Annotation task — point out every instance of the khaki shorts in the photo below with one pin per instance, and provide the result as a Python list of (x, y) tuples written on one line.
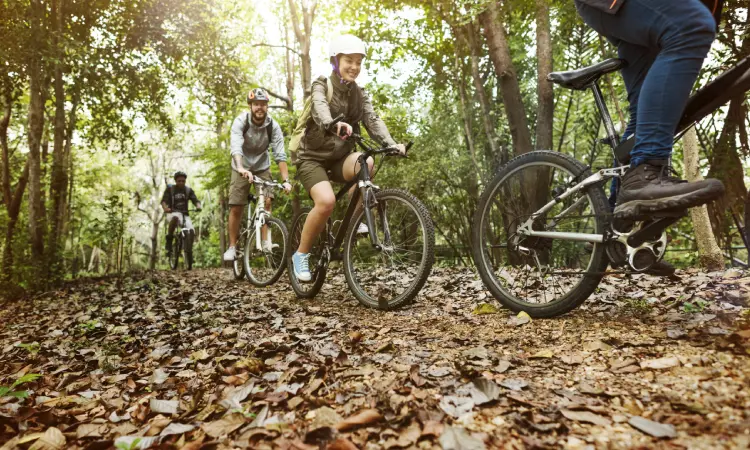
[(310, 172), (239, 187)]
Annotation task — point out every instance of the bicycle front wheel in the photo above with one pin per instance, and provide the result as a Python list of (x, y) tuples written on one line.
[(393, 275), (174, 259), (265, 265), (544, 277), (318, 261)]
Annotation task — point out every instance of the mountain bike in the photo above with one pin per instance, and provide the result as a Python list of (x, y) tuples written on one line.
[(183, 241), (385, 268), (543, 230), (260, 263)]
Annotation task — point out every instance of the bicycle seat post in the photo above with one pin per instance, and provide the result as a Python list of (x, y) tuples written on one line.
[(612, 137)]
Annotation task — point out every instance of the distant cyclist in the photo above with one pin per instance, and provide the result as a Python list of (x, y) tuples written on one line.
[(664, 43), (174, 202), (253, 132)]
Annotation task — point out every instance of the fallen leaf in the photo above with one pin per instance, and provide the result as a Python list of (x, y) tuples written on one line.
[(163, 406), (200, 355), (484, 391), (177, 428), (456, 438), (502, 366), (324, 417), (513, 384), (521, 319), (456, 406), (136, 442), (485, 308), (365, 417), (91, 430), (52, 439), (585, 416), (655, 429), (543, 354), (661, 363), (593, 346), (223, 426), (158, 377)]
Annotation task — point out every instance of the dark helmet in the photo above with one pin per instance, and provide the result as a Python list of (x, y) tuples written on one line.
[(257, 95), (180, 173)]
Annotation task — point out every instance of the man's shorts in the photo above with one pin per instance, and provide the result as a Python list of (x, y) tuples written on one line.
[(187, 224), (310, 172), (239, 187)]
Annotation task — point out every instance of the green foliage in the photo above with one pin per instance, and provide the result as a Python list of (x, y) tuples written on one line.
[(8, 391), (698, 306)]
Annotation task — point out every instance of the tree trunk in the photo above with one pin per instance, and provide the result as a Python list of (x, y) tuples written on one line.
[(494, 33), (304, 39), (222, 224), (709, 252), (154, 256), (546, 100), (487, 116), (58, 182), (36, 128)]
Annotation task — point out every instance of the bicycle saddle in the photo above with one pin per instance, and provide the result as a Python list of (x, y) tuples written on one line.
[(580, 79)]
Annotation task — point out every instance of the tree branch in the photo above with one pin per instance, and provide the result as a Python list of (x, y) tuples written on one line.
[(262, 44), (295, 21), (280, 97)]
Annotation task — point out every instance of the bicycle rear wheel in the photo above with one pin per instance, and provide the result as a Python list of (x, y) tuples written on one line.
[(264, 267), (238, 266), (392, 276), (318, 260), (544, 277)]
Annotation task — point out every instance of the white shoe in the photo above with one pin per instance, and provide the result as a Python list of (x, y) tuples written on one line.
[(230, 254), (362, 229), (269, 247)]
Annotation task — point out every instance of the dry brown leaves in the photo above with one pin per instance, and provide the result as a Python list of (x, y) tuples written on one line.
[(196, 360)]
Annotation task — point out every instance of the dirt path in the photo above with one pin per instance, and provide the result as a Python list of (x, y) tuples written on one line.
[(196, 360)]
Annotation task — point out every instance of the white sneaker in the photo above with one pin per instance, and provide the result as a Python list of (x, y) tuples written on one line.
[(230, 254), (362, 229), (269, 247)]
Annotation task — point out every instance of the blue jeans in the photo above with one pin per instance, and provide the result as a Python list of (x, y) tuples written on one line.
[(664, 43)]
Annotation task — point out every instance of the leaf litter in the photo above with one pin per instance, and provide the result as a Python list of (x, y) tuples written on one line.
[(184, 360)]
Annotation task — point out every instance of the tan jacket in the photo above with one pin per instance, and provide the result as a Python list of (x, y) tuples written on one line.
[(349, 100)]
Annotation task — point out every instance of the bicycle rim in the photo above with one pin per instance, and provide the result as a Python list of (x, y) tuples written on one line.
[(264, 266), (392, 276), (545, 277)]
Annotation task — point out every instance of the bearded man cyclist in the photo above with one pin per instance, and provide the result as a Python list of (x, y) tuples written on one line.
[(253, 132), (663, 43), (174, 202)]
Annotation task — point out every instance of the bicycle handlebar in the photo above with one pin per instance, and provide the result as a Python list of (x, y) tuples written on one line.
[(388, 151)]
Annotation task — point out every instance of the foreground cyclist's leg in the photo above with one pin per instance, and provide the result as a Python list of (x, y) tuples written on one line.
[(682, 33), (348, 170), (325, 200)]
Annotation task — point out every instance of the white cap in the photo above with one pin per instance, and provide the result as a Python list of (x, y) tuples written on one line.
[(346, 44)]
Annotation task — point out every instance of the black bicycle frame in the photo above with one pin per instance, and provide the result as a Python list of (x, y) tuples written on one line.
[(362, 180), (735, 81)]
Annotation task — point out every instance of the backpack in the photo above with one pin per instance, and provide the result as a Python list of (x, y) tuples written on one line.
[(299, 129), (269, 128)]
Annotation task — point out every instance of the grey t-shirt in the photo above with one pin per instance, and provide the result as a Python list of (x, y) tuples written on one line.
[(253, 146)]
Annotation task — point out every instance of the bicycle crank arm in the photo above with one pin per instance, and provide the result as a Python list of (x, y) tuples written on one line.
[(652, 231), (564, 236)]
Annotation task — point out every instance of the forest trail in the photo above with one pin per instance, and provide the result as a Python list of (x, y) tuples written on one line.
[(197, 360)]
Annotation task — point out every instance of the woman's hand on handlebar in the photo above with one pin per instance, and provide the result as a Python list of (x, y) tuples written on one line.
[(287, 187), (401, 149), (344, 130)]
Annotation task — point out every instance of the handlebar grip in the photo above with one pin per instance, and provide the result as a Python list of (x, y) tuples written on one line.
[(408, 146), (336, 120)]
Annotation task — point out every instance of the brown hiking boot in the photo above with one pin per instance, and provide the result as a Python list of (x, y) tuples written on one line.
[(650, 189)]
